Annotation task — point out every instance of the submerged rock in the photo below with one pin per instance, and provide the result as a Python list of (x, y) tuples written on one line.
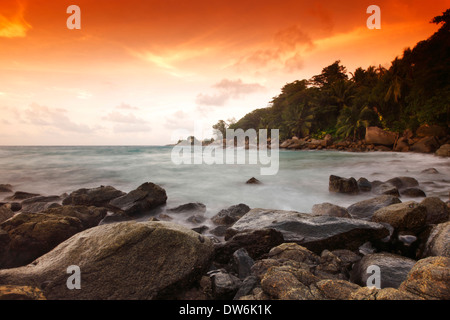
[(196, 207), (128, 260)]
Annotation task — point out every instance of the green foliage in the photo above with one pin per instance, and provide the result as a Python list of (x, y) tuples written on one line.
[(414, 90)]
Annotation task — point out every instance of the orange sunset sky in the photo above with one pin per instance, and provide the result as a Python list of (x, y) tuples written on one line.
[(140, 70)]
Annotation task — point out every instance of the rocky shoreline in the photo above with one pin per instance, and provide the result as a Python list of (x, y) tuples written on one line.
[(240, 253)]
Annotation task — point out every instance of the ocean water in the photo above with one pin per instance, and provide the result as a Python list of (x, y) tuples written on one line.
[(301, 181)]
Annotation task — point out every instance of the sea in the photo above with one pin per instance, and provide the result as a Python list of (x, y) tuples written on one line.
[(300, 182)]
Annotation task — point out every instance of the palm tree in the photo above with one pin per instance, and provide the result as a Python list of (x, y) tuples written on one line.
[(297, 120), (351, 120)]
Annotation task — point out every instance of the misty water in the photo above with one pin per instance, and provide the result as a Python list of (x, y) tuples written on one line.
[(301, 182)]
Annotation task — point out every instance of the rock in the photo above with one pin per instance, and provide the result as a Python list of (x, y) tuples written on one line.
[(20, 195), (316, 233), (99, 197), (189, 207), (113, 217), (89, 216), (364, 185), (403, 182), (5, 213), (146, 197), (253, 180), (247, 286), (255, 242), (219, 231), (366, 208), (286, 143), (413, 193), (406, 216), (430, 171), (243, 263), (429, 279), (431, 131), (336, 289), (32, 235), (196, 219), (375, 135), (444, 150), (5, 188), (343, 185), (386, 189), (328, 209), (391, 294), (224, 285), (9, 292), (120, 261), (14, 206), (201, 229), (425, 145), (438, 243), (402, 145), (437, 210), (294, 252), (393, 269), (39, 203), (230, 215)]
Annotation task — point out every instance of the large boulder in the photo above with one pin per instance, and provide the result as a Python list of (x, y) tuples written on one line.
[(437, 210), (393, 269), (343, 185), (316, 233), (128, 260), (443, 151), (429, 279), (329, 209), (98, 197), (406, 216), (425, 145), (365, 209), (146, 197), (431, 131), (30, 235), (438, 243), (375, 135)]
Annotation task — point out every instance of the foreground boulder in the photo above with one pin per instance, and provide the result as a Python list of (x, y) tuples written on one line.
[(128, 260), (429, 279), (438, 243), (316, 233), (29, 235), (146, 197), (393, 269), (437, 210)]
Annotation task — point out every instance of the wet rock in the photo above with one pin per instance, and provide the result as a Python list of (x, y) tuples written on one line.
[(343, 185), (113, 217), (89, 216), (253, 180), (40, 203), (443, 151), (165, 259), (247, 287), (224, 284), (243, 263), (196, 219), (413, 193), (429, 278), (430, 171), (437, 210), (328, 209), (20, 195), (230, 215), (316, 233), (31, 235), (393, 269), (196, 207), (99, 197), (425, 145), (403, 182), (255, 242), (5, 188), (386, 189), (406, 216), (366, 208), (146, 197), (364, 185), (438, 243)]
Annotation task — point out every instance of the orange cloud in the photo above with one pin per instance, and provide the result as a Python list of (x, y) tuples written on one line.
[(14, 25)]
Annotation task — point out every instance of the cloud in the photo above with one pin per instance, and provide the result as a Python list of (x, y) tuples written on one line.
[(227, 89), (125, 106), (52, 117), (126, 123), (13, 25)]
